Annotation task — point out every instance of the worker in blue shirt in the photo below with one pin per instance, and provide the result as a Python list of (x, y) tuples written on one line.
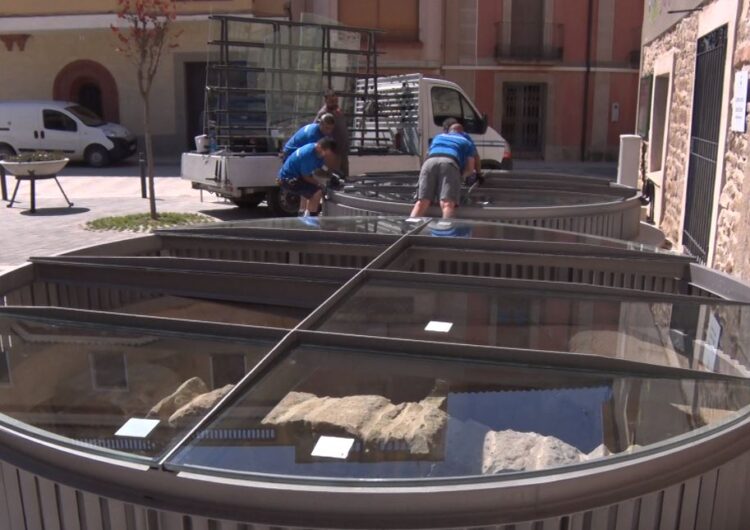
[(296, 175), (309, 134), (450, 157), (452, 124)]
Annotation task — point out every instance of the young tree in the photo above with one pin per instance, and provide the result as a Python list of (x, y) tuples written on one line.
[(147, 31)]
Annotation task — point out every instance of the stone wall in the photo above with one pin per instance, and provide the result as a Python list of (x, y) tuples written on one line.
[(733, 229), (682, 40), (732, 251)]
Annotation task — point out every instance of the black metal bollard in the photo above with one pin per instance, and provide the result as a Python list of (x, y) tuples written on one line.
[(142, 164), (3, 185)]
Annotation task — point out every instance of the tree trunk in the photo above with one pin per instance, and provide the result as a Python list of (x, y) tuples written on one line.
[(149, 156)]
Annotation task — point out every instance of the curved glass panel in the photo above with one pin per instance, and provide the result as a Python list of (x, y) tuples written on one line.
[(323, 413), (487, 230), (488, 197), (676, 334), (111, 388), (365, 225)]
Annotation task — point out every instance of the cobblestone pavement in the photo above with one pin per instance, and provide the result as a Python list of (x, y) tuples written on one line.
[(55, 228)]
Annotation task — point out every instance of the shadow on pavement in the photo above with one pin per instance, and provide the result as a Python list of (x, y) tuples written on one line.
[(234, 213), (50, 212), (124, 168)]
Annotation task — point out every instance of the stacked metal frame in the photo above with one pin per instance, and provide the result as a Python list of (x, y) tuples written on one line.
[(239, 376), (266, 78)]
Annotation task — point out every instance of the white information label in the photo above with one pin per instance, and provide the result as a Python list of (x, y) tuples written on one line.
[(439, 327), (333, 447), (713, 334), (137, 428), (706, 353), (739, 102)]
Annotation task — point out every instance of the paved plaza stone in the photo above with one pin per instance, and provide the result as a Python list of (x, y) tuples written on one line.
[(55, 228)]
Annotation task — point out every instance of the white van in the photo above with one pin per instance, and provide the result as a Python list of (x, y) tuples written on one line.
[(62, 126)]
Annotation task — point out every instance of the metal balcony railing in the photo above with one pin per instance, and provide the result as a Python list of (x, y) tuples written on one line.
[(529, 41)]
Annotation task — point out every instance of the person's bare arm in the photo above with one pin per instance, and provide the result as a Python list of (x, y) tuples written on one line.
[(470, 166)]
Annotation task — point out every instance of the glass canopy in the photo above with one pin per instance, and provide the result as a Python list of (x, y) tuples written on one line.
[(369, 349), (354, 414)]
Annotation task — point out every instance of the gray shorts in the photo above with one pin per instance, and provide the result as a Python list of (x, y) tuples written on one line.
[(440, 177)]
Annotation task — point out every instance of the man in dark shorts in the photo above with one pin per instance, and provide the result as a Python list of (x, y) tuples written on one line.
[(451, 156), (296, 175)]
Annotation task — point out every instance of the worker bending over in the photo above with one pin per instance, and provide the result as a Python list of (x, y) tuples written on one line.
[(450, 157), (453, 125), (310, 134), (296, 175)]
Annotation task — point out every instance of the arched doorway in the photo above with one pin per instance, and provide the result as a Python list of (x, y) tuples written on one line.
[(90, 96), (90, 84)]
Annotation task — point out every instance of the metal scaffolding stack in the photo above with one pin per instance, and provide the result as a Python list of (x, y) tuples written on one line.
[(268, 78)]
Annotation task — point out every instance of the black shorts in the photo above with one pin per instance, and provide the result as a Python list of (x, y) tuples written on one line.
[(299, 187)]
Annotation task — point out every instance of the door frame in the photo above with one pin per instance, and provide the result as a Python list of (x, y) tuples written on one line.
[(543, 114), (711, 18)]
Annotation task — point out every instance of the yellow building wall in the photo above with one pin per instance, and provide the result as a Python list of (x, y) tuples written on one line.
[(77, 7), (31, 74)]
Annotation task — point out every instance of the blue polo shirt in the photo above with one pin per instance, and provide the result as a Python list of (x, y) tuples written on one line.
[(473, 145), (453, 145), (309, 134), (304, 161)]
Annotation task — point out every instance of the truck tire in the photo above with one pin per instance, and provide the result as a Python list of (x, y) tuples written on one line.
[(250, 201), (6, 151), (282, 203), (96, 156)]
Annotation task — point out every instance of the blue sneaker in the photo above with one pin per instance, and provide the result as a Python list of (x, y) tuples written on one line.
[(311, 221)]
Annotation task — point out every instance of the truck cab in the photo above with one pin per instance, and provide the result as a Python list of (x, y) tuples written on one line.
[(413, 113)]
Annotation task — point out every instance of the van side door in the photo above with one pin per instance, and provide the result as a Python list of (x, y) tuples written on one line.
[(60, 133), (447, 102), (23, 129)]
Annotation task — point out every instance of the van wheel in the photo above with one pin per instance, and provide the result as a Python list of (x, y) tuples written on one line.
[(282, 203), (96, 156), (6, 151), (250, 201)]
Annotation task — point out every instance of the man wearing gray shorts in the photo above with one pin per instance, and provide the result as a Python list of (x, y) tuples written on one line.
[(451, 156)]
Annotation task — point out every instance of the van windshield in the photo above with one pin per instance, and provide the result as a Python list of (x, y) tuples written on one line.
[(85, 115)]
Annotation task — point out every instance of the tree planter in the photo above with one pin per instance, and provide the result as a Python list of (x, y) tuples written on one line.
[(33, 171)]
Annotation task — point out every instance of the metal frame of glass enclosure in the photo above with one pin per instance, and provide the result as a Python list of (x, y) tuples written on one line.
[(577, 338), (586, 205)]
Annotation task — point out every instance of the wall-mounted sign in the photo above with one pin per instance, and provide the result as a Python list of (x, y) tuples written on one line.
[(739, 102)]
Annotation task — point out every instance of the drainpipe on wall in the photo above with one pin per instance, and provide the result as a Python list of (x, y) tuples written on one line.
[(444, 27), (586, 79)]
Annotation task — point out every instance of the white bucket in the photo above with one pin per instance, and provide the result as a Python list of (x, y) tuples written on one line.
[(201, 143)]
